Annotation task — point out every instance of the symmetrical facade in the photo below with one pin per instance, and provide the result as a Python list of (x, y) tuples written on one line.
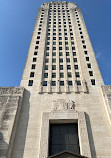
[(62, 102)]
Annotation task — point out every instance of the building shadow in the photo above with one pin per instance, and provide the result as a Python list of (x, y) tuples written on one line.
[(90, 136), (3, 146)]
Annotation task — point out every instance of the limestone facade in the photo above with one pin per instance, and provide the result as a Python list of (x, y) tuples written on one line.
[(64, 98)]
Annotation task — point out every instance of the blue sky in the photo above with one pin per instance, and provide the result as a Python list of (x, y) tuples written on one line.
[(17, 19)]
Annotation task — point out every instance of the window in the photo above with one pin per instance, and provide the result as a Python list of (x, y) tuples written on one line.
[(61, 83), (78, 83), (84, 46), (30, 83), (46, 67), (53, 53), (74, 53), (66, 38), (53, 75), (68, 67), (35, 53), (73, 48), (53, 83), (76, 67), (60, 53), (93, 81), (61, 60), (37, 42), (68, 60), (53, 67), (72, 42), (54, 60), (54, 38), (60, 38), (33, 66), (46, 60), (60, 48), (44, 83), (89, 65), (47, 53), (32, 74), (69, 74), (34, 59), (87, 58), (54, 43), (61, 75), (85, 52), (61, 67), (45, 75), (70, 83), (38, 37), (91, 73), (47, 48), (67, 48), (36, 47), (66, 43), (67, 53), (77, 74), (75, 59), (54, 48), (48, 43)]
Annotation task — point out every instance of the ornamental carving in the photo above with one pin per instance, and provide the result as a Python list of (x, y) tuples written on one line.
[(13, 90), (62, 104)]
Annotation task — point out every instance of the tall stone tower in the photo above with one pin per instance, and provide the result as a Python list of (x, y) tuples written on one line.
[(62, 108)]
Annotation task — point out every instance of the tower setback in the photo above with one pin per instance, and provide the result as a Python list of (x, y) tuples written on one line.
[(62, 108)]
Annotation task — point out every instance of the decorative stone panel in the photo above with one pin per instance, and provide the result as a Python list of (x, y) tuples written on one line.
[(10, 105)]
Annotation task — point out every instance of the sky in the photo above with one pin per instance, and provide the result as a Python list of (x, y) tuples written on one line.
[(17, 18)]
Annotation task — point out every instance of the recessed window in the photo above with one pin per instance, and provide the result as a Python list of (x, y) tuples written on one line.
[(46, 60), (60, 38), (67, 53), (93, 81), (78, 83), (89, 65), (53, 53), (47, 48), (60, 48), (54, 48), (73, 48), (54, 60), (30, 83), (53, 75), (84, 46), (61, 67), (47, 53), (68, 60), (46, 67), (68, 67), (37, 42), (45, 75), (85, 52), (35, 53), (74, 53), (66, 38), (69, 74), (60, 54), (77, 74), (34, 59), (44, 83), (53, 67), (61, 83), (32, 74), (36, 47), (87, 58), (61, 60), (91, 73), (61, 75), (76, 67), (67, 48), (54, 38), (38, 37), (70, 83), (33, 66), (54, 43), (72, 42), (60, 43), (75, 59), (53, 83)]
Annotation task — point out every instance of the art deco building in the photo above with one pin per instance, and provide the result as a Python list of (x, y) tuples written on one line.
[(62, 108)]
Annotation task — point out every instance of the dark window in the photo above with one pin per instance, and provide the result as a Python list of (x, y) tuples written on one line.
[(60, 54), (61, 60), (61, 75), (54, 54), (32, 74), (34, 59), (45, 75), (74, 53), (78, 83), (35, 53), (33, 66), (54, 60), (84, 46), (70, 83), (75, 59), (44, 83), (30, 83), (67, 53), (63, 137), (53, 75), (61, 83), (93, 82), (68, 67), (91, 73), (61, 67), (76, 67), (85, 52), (46, 60), (69, 74), (77, 74), (53, 67), (68, 60), (87, 58), (89, 65), (46, 67), (53, 83)]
